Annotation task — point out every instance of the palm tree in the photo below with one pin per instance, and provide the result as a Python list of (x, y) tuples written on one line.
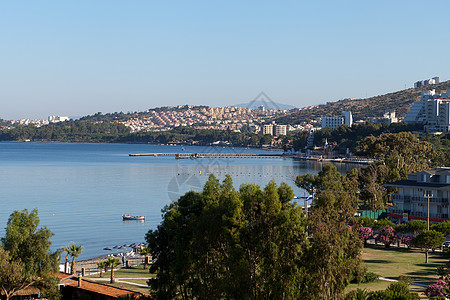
[(101, 266), (74, 251), (112, 262), (145, 251)]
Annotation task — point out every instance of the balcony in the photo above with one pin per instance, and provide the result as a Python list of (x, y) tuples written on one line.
[(415, 199), (400, 198), (424, 214), (434, 200)]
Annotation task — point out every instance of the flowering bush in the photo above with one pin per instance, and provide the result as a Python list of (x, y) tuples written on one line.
[(365, 233), (407, 240), (387, 236), (437, 289)]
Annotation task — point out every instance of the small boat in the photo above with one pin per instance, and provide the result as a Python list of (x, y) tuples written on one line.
[(128, 217)]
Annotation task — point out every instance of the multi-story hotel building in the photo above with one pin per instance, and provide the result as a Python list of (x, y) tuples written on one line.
[(334, 122), (413, 194), (433, 110)]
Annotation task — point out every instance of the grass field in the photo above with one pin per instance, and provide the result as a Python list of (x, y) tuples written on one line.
[(133, 272), (395, 262), (126, 275)]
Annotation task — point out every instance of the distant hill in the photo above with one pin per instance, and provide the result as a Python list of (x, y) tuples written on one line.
[(376, 106), (267, 105), (263, 99)]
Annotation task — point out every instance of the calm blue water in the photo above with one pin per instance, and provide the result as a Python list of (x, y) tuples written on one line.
[(81, 190)]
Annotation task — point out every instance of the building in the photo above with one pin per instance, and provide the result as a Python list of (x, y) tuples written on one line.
[(432, 110), (268, 129), (333, 122), (411, 200), (420, 83), (388, 118), (56, 119), (275, 129), (280, 130), (76, 287)]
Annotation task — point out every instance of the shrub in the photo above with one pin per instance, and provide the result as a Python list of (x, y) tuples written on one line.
[(365, 232), (387, 236), (407, 240), (397, 290), (441, 271), (383, 223), (437, 289), (369, 277), (357, 294)]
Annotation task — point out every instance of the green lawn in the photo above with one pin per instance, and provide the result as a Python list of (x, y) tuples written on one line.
[(394, 262), (133, 272)]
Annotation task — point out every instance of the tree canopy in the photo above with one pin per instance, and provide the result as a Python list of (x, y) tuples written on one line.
[(252, 243), (25, 249), (427, 240)]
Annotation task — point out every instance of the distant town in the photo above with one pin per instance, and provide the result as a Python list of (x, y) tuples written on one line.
[(432, 110)]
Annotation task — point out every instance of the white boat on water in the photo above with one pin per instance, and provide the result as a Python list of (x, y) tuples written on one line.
[(128, 217)]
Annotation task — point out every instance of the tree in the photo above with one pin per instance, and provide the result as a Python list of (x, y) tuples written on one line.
[(11, 275), (383, 223), (334, 253), (74, 251), (101, 266), (427, 240), (112, 262), (224, 243), (443, 227), (26, 253), (398, 155)]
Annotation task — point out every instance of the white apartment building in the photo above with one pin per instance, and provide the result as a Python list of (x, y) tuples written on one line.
[(334, 122), (275, 129), (280, 130), (432, 110), (56, 119), (414, 193), (268, 129), (388, 118), (433, 80)]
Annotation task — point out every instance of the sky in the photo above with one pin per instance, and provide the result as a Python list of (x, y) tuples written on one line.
[(75, 58)]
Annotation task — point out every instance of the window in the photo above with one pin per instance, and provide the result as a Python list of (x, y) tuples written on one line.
[(424, 177)]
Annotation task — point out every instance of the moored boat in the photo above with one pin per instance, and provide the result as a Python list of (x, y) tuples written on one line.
[(128, 217)]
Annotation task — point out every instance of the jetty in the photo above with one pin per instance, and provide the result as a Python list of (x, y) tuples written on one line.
[(351, 160), (213, 155)]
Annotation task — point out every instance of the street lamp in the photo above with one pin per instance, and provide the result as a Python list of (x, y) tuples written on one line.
[(428, 195)]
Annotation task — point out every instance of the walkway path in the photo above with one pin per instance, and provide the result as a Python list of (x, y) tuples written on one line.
[(124, 280), (394, 280)]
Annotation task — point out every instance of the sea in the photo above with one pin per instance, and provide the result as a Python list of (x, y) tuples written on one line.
[(81, 190)]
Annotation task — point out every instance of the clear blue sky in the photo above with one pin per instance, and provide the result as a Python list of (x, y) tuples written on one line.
[(80, 57)]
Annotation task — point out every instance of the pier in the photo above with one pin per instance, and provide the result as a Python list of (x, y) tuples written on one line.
[(352, 160), (212, 155)]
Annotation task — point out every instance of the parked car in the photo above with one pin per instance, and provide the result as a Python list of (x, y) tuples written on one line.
[(446, 245)]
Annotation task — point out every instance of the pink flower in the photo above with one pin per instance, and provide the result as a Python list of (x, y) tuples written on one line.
[(365, 232), (387, 236), (436, 289)]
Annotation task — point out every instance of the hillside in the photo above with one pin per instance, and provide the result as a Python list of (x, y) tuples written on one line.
[(399, 101), (267, 104)]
